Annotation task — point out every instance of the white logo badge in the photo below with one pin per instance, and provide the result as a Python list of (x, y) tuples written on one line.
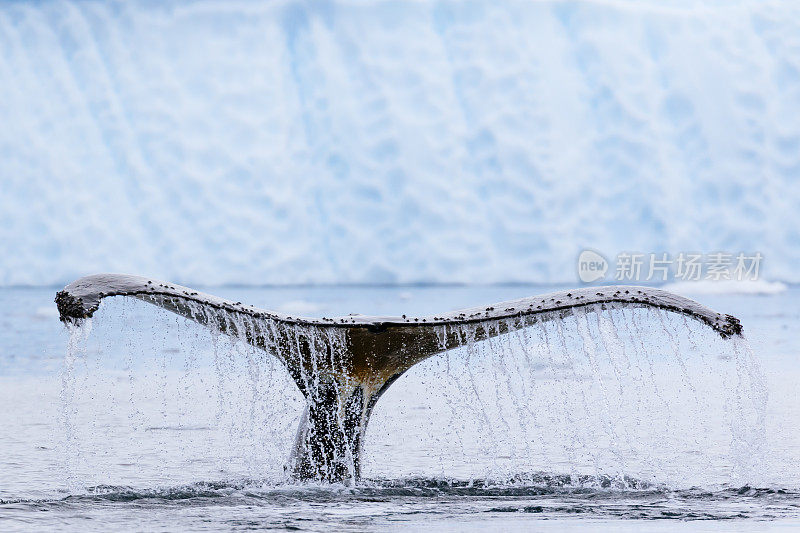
[(591, 266)]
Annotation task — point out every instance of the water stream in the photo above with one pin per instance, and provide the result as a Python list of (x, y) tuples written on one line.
[(613, 393)]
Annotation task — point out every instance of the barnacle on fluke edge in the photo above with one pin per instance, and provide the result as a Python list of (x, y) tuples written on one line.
[(70, 307)]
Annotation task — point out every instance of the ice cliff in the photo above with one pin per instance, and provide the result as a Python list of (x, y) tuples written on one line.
[(290, 142)]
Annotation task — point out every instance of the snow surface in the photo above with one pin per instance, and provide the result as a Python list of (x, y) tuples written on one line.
[(290, 142)]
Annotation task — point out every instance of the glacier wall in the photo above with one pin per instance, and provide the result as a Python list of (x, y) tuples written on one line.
[(345, 141)]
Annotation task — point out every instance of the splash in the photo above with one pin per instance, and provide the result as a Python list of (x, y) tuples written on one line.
[(605, 390), (76, 349)]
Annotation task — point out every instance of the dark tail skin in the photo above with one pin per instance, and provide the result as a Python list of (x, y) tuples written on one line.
[(342, 365)]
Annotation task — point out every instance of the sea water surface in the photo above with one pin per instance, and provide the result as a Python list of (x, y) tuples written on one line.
[(631, 421)]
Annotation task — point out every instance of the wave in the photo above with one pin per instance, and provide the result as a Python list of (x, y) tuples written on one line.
[(521, 485)]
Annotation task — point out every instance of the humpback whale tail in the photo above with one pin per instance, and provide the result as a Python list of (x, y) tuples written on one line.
[(343, 365)]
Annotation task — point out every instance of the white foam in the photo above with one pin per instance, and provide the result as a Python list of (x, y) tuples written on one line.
[(759, 286)]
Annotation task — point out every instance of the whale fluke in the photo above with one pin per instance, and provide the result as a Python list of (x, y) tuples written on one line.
[(343, 365)]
